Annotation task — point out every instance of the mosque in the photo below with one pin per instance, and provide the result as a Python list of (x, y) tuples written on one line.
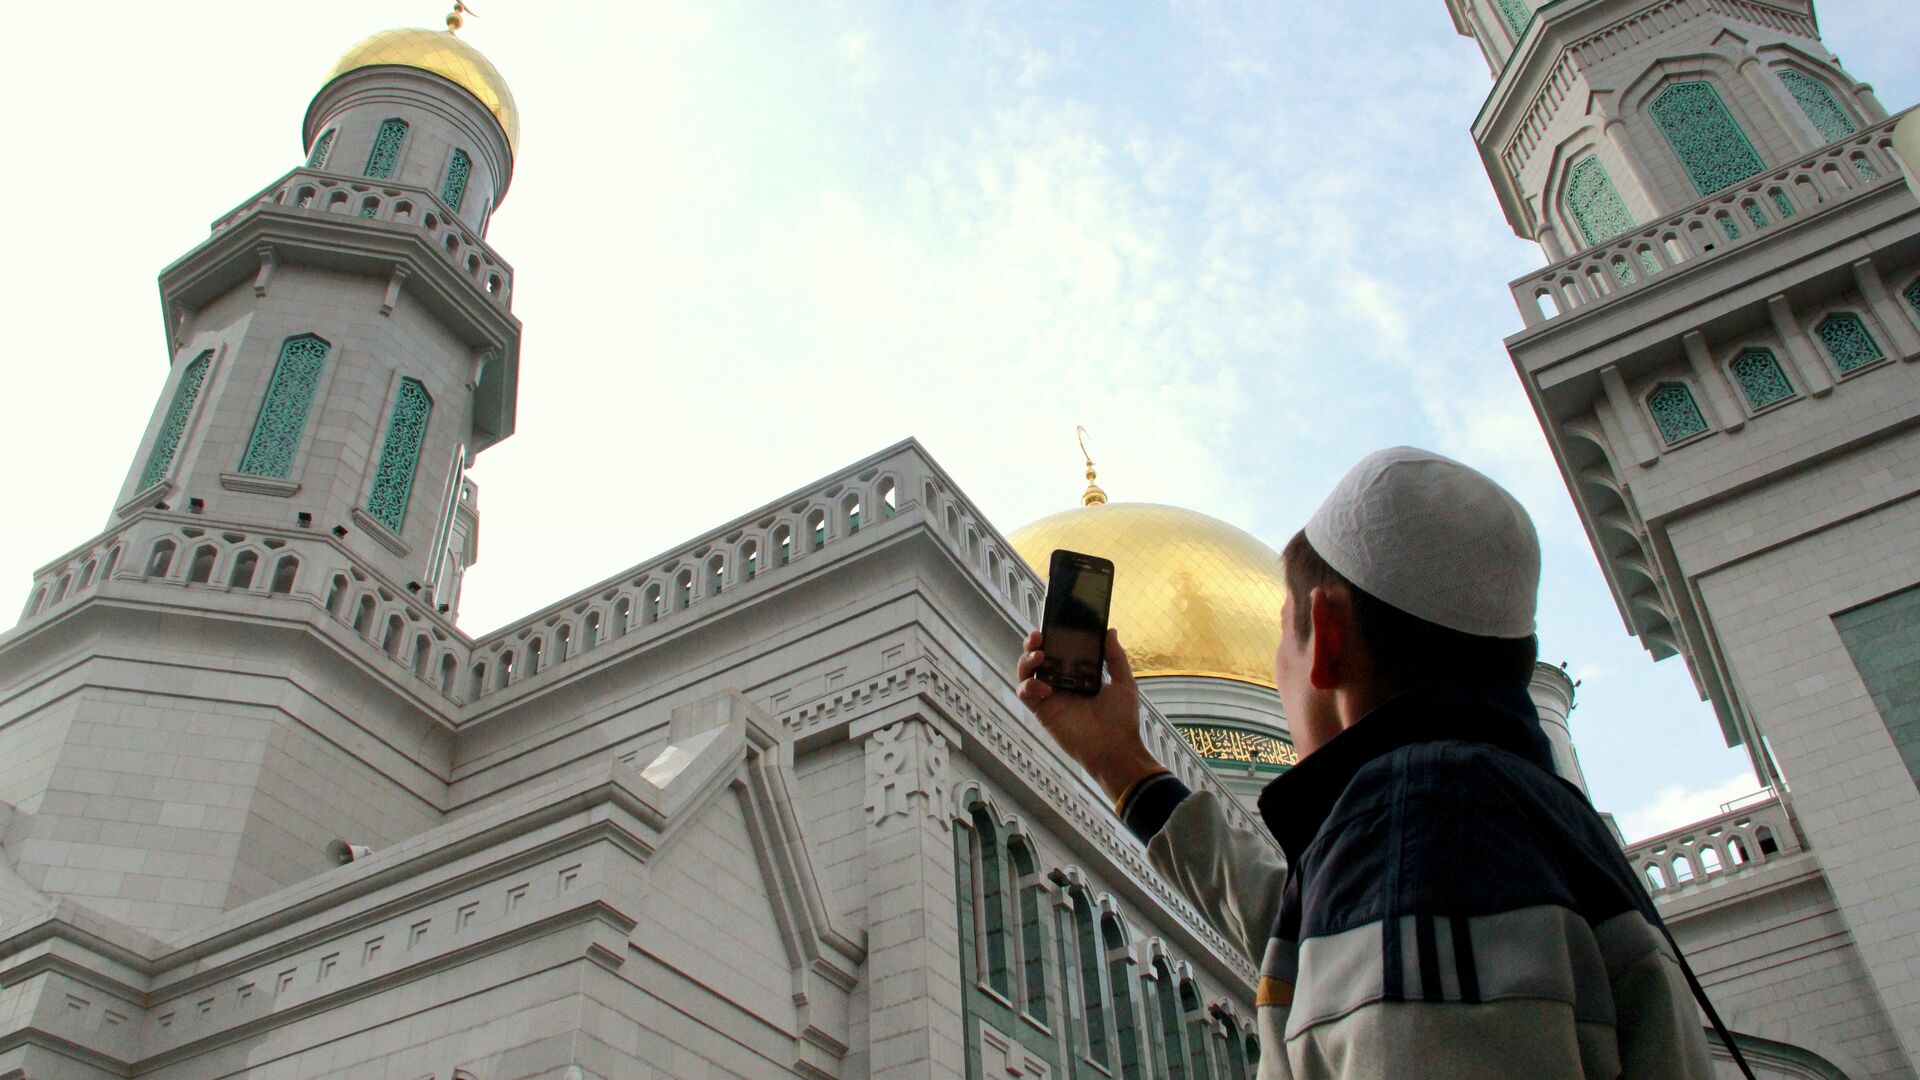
[(765, 804)]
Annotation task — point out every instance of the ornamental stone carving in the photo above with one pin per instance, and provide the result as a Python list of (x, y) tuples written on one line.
[(907, 772)]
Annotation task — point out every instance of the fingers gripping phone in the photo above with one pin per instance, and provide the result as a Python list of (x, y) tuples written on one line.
[(1073, 632)]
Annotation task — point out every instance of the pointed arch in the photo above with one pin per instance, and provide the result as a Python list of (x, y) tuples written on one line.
[(322, 149), (400, 455), (385, 155), (1675, 412), (1848, 341), (1760, 377), (453, 189), (1817, 101), (283, 412), (1704, 136), (186, 393), (1594, 203)]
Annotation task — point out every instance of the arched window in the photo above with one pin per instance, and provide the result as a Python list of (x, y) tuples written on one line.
[(244, 564), (1763, 836), (506, 670), (992, 875), (33, 604), (716, 574), (1197, 1049), (422, 655), (86, 575), (1126, 1028), (60, 588), (1236, 1054), (682, 590), (393, 478), (283, 413), (562, 641), (1092, 993), (185, 393), (479, 685), (1736, 852), (1682, 869), (889, 497), (533, 657), (749, 559), (1173, 1051), (1829, 119), (447, 668), (1709, 860), (622, 616), (850, 512), (200, 570), (1847, 341), (651, 604), (1032, 898), (1675, 412), (454, 188), (590, 631), (1704, 136), (1913, 294), (106, 569), (783, 544), (363, 618), (283, 575), (1594, 202), (1515, 14), (817, 528), (385, 154), (395, 638), (1761, 378), (322, 149)]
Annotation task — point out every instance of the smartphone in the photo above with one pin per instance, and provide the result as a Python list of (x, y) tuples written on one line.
[(1073, 633)]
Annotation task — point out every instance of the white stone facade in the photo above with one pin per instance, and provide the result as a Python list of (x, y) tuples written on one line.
[(1739, 509)]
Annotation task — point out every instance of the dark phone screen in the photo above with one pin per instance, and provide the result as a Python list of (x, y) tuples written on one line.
[(1074, 632)]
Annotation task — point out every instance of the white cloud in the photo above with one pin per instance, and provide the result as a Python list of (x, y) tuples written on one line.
[(1680, 805)]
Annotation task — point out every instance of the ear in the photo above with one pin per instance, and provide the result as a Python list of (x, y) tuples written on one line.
[(1332, 643)]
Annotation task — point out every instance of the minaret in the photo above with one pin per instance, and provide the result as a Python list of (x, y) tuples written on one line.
[(1722, 353), (257, 657), (343, 344)]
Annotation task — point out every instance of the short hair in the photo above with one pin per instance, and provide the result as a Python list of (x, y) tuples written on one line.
[(1406, 650)]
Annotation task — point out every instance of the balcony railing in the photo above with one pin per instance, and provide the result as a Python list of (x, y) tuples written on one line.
[(1838, 173), (1755, 831), (327, 193)]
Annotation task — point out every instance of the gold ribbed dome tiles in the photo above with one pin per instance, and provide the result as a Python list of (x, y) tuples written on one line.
[(1191, 595), (447, 56)]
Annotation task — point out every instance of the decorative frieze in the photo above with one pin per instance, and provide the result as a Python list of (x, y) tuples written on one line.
[(907, 772)]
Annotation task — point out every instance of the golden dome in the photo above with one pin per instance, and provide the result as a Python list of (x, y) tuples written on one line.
[(447, 56), (1192, 595)]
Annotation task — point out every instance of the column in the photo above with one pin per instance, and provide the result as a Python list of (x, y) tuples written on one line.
[(913, 934)]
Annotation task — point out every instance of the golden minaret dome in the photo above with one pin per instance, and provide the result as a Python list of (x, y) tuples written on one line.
[(444, 54), (1192, 595)]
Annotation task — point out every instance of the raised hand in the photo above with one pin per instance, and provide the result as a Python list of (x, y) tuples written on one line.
[(1101, 732)]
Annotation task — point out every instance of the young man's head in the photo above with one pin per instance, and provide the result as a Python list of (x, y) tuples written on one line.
[(1416, 569)]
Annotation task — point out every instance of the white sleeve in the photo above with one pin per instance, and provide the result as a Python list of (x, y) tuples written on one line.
[(1233, 875)]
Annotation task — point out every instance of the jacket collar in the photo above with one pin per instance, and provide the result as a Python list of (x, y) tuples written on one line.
[(1296, 804)]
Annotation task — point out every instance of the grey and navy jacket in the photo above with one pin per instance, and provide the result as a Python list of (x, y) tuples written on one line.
[(1447, 906)]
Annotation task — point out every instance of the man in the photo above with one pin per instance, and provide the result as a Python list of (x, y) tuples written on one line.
[(1447, 906)]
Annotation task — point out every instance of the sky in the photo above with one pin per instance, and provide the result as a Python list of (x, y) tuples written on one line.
[(1243, 244)]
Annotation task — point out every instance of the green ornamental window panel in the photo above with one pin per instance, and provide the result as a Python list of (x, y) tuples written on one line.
[(185, 393), (454, 188), (386, 148), (283, 415), (406, 432), (1847, 341), (1675, 412), (322, 148), (1594, 202), (1515, 14), (1782, 204), (1756, 215), (1761, 378), (1913, 294), (1866, 169), (1829, 119), (1704, 136)]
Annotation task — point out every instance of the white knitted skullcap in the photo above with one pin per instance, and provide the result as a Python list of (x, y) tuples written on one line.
[(1434, 538)]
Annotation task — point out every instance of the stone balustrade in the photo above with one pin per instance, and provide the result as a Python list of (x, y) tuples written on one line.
[(1747, 833), (1730, 219), (315, 192), (402, 634)]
